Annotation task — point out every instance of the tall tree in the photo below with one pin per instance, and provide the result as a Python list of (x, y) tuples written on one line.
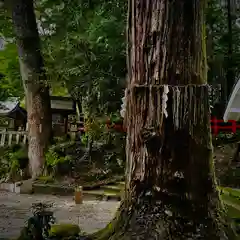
[(94, 37), (34, 80), (170, 184)]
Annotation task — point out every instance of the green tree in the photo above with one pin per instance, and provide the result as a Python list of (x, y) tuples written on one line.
[(34, 81), (11, 85), (90, 52), (221, 61)]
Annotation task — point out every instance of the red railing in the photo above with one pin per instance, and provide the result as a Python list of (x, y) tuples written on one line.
[(218, 125)]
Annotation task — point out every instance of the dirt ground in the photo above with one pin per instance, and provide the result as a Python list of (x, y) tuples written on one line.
[(15, 209), (223, 156)]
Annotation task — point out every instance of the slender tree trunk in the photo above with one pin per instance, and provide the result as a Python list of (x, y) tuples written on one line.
[(170, 184), (34, 79)]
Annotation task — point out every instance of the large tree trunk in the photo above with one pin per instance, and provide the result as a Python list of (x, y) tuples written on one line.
[(34, 80), (170, 184)]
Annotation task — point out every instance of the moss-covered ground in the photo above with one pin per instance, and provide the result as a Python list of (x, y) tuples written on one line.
[(231, 199)]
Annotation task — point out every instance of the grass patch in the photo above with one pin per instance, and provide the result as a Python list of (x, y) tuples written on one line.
[(231, 196), (46, 179), (232, 211), (64, 230), (231, 199)]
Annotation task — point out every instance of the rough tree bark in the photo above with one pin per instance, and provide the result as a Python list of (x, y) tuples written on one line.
[(34, 80), (170, 188)]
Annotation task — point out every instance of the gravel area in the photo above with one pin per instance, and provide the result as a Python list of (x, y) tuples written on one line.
[(15, 209)]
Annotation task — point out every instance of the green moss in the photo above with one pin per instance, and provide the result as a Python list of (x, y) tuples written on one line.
[(64, 230), (231, 196), (230, 199), (234, 192), (103, 233), (46, 179), (232, 211)]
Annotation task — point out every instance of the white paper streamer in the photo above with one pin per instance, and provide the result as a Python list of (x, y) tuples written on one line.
[(164, 99)]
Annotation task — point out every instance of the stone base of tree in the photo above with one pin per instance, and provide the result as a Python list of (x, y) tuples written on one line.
[(170, 185)]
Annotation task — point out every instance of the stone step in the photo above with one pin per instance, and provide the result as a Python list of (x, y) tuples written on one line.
[(101, 195), (121, 184), (112, 188), (53, 189), (107, 192)]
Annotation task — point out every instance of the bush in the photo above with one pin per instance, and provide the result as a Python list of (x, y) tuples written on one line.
[(57, 162), (46, 179), (39, 224), (12, 160)]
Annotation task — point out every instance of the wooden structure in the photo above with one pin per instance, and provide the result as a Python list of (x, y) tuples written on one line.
[(232, 111), (61, 108), (63, 112), (12, 137), (13, 120), (12, 116)]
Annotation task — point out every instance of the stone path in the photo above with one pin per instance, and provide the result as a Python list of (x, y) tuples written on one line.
[(15, 209)]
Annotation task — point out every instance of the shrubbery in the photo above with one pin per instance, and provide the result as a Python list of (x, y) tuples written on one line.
[(41, 226), (13, 160)]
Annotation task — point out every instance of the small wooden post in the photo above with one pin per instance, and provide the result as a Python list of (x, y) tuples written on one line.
[(25, 135), (78, 195), (10, 139), (17, 138), (25, 138), (3, 137)]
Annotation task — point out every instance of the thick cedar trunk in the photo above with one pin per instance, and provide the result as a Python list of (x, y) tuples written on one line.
[(170, 184), (34, 80)]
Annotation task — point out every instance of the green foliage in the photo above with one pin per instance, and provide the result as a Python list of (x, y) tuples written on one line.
[(218, 42), (13, 159), (56, 159), (94, 128), (6, 24), (14, 167), (87, 50), (84, 140), (39, 224), (46, 179), (11, 84), (231, 199), (53, 159)]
